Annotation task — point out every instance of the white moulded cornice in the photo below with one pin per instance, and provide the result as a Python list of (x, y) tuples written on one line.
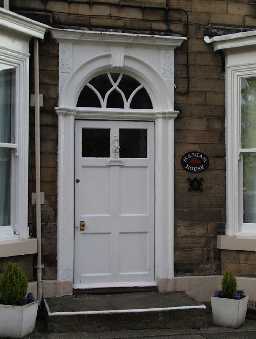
[(117, 37), (112, 114), (236, 40), (21, 24)]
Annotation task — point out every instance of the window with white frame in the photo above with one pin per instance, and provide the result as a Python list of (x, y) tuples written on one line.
[(247, 168), (241, 151), (7, 148), (240, 129), (15, 35)]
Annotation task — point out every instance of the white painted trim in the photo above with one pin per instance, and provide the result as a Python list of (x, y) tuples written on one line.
[(117, 38), (111, 114), (7, 145), (149, 59), (230, 41), (21, 24)]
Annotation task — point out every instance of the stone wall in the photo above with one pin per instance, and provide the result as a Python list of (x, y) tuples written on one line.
[(241, 263), (199, 77), (26, 262)]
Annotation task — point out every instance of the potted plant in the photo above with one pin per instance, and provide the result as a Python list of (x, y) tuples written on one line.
[(18, 310), (229, 305)]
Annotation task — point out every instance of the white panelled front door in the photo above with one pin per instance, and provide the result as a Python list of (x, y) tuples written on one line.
[(114, 196)]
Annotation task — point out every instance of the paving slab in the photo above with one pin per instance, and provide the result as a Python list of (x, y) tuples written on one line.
[(247, 331)]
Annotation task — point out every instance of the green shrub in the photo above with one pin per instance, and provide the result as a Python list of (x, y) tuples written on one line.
[(229, 285), (13, 285)]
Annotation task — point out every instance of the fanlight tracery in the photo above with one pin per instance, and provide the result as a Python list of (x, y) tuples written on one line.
[(114, 90)]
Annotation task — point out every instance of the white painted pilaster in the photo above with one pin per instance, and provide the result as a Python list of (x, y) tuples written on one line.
[(65, 231), (164, 209)]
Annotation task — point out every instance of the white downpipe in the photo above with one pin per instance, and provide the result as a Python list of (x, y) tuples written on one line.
[(37, 164)]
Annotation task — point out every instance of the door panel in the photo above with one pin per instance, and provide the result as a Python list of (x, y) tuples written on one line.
[(133, 187), (114, 203), (95, 199)]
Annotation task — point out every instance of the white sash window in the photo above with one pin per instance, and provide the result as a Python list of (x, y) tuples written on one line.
[(247, 162), (240, 56), (13, 150), (15, 34), (7, 140)]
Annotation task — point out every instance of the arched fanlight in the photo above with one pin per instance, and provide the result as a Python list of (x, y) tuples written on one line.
[(114, 90)]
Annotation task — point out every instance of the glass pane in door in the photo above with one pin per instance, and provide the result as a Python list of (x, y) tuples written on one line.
[(96, 142), (133, 143)]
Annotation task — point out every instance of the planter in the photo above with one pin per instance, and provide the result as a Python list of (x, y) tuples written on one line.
[(17, 321), (229, 312)]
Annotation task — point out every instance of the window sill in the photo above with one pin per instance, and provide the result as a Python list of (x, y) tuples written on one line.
[(12, 248), (241, 242)]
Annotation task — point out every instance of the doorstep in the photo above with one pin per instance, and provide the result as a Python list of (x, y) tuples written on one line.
[(124, 311)]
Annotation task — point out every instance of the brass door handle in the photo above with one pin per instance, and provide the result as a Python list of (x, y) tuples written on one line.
[(82, 225)]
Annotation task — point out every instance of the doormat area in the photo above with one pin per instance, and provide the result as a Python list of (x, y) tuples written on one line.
[(120, 303)]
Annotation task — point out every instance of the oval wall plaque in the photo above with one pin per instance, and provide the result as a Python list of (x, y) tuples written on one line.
[(195, 162)]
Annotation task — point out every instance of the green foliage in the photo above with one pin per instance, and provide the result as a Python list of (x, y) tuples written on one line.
[(13, 285), (228, 285)]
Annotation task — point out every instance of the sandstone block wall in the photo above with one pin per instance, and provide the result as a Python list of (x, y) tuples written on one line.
[(199, 79)]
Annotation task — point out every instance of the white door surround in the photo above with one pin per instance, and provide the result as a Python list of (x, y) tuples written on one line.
[(150, 60)]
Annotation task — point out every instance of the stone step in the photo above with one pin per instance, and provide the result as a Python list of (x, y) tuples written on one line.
[(124, 311)]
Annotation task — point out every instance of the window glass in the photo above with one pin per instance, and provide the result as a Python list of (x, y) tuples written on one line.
[(115, 100), (114, 90), (128, 85), (96, 142), (5, 169), (7, 88), (133, 143), (88, 98), (102, 84), (141, 100), (249, 187), (248, 113)]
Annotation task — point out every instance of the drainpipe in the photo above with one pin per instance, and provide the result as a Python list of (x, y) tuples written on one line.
[(37, 164)]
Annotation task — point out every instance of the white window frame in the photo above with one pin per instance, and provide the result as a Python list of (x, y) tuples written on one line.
[(14, 52), (19, 174), (234, 172), (240, 56)]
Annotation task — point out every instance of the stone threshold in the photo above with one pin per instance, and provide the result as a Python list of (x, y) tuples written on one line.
[(137, 302)]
